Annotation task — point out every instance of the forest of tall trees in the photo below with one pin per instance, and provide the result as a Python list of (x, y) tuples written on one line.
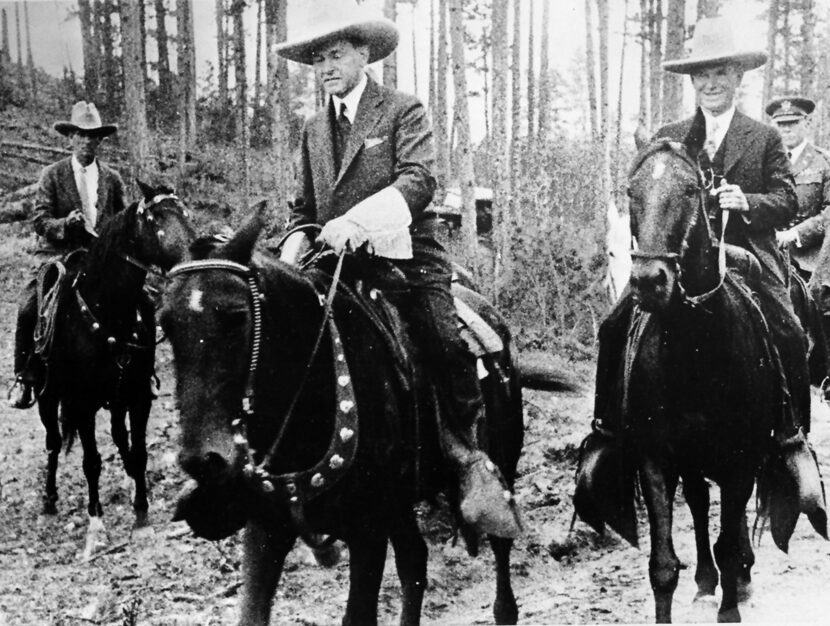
[(555, 143)]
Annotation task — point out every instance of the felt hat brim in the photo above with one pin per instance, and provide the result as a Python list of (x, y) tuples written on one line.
[(104, 130), (747, 61), (380, 35)]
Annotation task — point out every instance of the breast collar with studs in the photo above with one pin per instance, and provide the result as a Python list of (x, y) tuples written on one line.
[(296, 488)]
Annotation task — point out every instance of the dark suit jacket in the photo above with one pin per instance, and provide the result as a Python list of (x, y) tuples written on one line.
[(812, 184), (390, 143), (754, 159), (58, 196)]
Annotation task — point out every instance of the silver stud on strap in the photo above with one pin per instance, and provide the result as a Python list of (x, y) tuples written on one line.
[(336, 461), (346, 406), (317, 480), (346, 434)]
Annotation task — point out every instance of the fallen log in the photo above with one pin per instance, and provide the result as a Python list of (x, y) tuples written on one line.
[(537, 371)]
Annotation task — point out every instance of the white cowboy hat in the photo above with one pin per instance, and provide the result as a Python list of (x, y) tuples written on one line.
[(85, 117), (324, 21), (714, 43)]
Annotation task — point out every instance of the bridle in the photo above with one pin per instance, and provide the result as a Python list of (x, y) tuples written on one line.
[(144, 211), (295, 487), (705, 183)]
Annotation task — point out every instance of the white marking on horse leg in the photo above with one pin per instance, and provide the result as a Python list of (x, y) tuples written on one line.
[(96, 537), (194, 303)]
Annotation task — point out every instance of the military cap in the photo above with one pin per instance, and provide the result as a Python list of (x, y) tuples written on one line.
[(790, 108)]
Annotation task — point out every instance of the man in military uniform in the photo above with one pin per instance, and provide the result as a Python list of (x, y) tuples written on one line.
[(811, 167)]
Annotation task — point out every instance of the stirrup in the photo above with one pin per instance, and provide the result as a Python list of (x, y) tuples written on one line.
[(25, 396), (825, 390)]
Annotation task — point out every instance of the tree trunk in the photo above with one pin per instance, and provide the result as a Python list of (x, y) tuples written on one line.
[(499, 154), (90, 49), (516, 111), (545, 82), (413, 30), (165, 77), (237, 9), (222, 49), (186, 81), (644, 116), (531, 77), (461, 122), (440, 111), (278, 100), (591, 72), (110, 63), (617, 157), (787, 44), (5, 57), (21, 76), (134, 98), (656, 57), (260, 20), (30, 62), (390, 63), (143, 21), (769, 68), (675, 40), (808, 47), (605, 102)]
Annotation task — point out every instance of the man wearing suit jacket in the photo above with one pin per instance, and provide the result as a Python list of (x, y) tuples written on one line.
[(75, 196), (753, 184), (365, 176), (811, 168)]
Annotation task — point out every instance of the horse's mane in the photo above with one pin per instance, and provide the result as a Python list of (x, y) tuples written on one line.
[(113, 238)]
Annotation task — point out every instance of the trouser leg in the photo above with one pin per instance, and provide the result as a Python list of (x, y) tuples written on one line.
[(25, 330)]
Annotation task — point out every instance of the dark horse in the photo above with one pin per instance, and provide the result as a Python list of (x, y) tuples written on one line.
[(700, 384), (103, 350), (349, 460)]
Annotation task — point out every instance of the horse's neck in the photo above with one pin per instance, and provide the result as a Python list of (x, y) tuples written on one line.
[(701, 268), (111, 286)]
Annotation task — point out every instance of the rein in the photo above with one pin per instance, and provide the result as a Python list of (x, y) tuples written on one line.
[(296, 487), (705, 183)]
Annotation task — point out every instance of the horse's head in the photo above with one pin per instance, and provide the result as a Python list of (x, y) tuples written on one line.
[(163, 233), (666, 208), (209, 318)]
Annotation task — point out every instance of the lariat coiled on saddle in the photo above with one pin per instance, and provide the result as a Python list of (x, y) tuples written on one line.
[(48, 298)]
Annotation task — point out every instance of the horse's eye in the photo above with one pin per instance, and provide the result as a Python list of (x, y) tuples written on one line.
[(628, 192), (690, 190)]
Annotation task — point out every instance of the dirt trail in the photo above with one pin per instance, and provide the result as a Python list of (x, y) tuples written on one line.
[(168, 577)]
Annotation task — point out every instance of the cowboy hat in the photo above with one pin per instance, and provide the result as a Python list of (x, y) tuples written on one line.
[(325, 21), (85, 117), (714, 43), (790, 108)]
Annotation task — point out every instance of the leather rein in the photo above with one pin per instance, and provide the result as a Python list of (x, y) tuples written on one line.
[(296, 488), (705, 182)]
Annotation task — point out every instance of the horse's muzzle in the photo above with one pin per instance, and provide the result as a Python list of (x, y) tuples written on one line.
[(652, 283)]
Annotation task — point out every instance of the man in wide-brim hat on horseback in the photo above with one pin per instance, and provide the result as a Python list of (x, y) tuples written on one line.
[(753, 182), (365, 176), (74, 197)]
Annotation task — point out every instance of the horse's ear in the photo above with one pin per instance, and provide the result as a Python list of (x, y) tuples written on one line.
[(147, 191), (641, 136), (241, 245)]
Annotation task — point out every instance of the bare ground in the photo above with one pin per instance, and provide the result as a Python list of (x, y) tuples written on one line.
[(168, 577)]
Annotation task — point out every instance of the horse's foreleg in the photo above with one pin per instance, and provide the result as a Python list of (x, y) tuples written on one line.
[(747, 559), (505, 610), (367, 556), (411, 562), (696, 491), (139, 414), (49, 417), (96, 533), (734, 496), (264, 557), (663, 566)]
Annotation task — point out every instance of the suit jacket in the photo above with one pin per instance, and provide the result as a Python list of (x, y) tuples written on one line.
[(390, 143), (754, 159), (57, 197), (812, 185)]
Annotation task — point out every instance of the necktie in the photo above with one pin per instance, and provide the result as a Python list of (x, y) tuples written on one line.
[(344, 127), (789, 155), (711, 145)]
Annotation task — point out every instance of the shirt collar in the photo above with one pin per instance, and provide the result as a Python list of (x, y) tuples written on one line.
[(77, 167), (796, 152), (351, 99), (723, 120)]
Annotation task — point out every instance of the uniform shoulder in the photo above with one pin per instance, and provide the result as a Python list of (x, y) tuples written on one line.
[(824, 153)]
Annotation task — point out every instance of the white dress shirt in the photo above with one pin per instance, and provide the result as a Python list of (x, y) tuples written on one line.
[(717, 125), (351, 99), (86, 180), (794, 153)]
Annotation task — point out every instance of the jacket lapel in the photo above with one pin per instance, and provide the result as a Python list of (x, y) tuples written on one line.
[(368, 114), (321, 155), (804, 159), (735, 141), (103, 188)]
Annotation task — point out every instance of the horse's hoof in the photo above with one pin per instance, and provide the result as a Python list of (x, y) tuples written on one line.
[(730, 616), (704, 598), (141, 519), (143, 533), (49, 507), (744, 590)]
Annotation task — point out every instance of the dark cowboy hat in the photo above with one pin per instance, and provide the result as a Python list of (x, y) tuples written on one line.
[(790, 108), (712, 44), (325, 21), (85, 117)]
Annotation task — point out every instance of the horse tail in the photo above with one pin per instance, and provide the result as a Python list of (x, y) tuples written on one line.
[(69, 430)]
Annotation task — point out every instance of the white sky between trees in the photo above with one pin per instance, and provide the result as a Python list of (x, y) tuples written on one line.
[(56, 42)]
